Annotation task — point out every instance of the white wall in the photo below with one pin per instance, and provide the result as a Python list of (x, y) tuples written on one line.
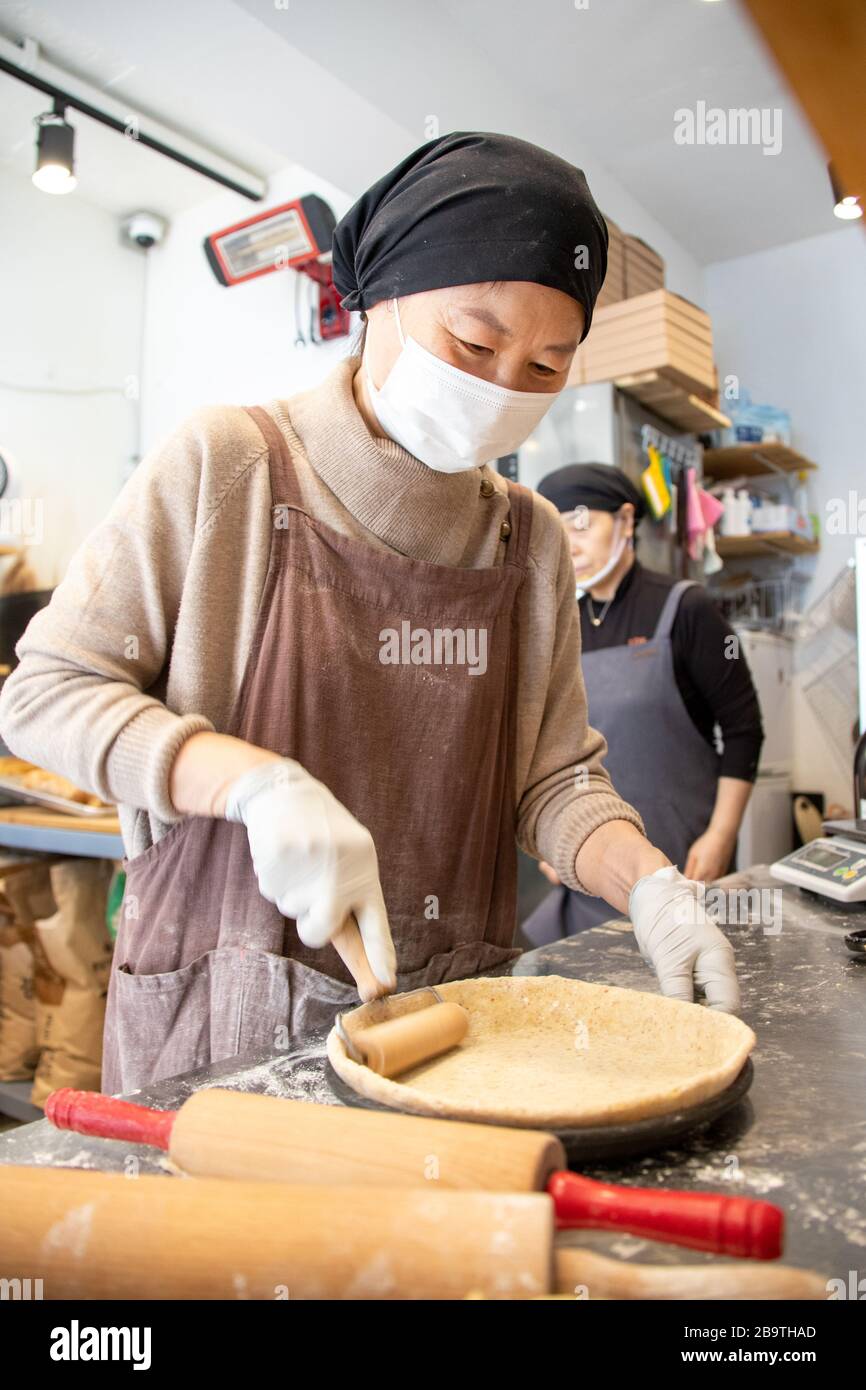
[(207, 343), (71, 300), (790, 324)]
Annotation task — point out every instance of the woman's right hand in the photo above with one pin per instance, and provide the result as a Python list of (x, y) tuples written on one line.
[(312, 858)]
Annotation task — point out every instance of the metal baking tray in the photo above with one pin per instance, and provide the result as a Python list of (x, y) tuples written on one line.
[(12, 792), (604, 1143)]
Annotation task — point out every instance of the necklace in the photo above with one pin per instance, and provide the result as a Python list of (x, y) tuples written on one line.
[(599, 619)]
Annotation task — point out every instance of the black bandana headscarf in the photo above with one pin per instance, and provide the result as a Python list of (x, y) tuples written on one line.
[(467, 209), (600, 487)]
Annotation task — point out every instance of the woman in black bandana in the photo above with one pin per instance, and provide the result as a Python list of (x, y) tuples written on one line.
[(663, 672), (398, 631), (479, 253)]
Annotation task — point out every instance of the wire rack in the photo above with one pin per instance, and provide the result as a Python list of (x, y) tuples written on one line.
[(774, 604), (832, 695)]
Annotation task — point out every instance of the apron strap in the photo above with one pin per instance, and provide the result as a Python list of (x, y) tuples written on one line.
[(285, 490), (667, 617), (284, 480), (520, 519)]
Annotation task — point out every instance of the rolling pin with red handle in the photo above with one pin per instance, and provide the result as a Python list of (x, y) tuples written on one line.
[(108, 1236), (231, 1134)]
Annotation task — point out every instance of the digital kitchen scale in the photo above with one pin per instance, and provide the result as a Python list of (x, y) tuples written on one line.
[(833, 866)]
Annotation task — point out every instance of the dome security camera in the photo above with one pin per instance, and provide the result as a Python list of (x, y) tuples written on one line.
[(144, 229)]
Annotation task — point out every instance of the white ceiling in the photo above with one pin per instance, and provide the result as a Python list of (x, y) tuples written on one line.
[(346, 89), (143, 55), (596, 84)]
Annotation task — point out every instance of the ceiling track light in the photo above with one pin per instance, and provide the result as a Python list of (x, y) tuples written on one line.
[(846, 205), (68, 92), (55, 148)]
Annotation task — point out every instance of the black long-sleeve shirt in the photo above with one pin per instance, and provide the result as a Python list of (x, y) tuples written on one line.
[(715, 689)]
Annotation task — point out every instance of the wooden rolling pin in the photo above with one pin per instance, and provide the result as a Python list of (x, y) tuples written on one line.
[(103, 1235), (229, 1134)]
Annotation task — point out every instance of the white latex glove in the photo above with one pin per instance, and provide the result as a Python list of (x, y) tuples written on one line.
[(680, 941), (313, 859)]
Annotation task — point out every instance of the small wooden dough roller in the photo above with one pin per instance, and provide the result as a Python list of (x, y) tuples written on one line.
[(349, 945), (396, 1044)]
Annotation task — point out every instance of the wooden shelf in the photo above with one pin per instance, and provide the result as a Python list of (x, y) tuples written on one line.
[(765, 543), (753, 461), (673, 402), (33, 828)]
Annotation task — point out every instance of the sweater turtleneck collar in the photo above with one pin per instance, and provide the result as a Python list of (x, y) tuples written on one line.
[(412, 508)]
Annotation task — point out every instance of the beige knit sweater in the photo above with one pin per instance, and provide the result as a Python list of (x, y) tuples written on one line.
[(146, 639)]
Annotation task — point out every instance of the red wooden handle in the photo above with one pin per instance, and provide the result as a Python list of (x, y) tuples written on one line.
[(702, 1220), (89, 1112)]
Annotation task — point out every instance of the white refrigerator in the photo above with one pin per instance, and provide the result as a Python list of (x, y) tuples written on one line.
[(767, 829)]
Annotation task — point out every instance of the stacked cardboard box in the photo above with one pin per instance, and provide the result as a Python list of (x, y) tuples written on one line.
[(52, 999), (633, 268), (655, 332), (613, 289), (644, 268)]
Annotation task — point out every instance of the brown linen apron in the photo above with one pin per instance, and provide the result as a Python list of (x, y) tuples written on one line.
[(422, 754)]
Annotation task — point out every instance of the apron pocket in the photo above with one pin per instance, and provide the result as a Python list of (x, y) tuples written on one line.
[(226, 1003), (158, 1026), (316, 1000)]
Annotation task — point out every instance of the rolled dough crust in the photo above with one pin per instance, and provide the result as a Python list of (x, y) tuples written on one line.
[(553, 1052)]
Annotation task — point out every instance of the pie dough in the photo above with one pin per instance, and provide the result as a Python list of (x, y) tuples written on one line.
[(550, 1052)]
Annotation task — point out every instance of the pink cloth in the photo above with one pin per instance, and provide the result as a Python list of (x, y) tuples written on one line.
[(710, 506), (695, 523)]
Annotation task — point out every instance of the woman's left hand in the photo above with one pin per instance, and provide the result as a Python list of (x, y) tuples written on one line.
[(710, 856), (681, 942)]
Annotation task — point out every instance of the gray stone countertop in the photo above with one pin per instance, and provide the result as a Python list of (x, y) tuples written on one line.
[(797, 1139)]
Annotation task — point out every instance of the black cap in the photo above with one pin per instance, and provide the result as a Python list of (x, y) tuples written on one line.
[(598, 486), (468, 208)]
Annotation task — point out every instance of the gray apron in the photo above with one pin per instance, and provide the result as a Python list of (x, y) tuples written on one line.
[(206, 968), (657, 760)]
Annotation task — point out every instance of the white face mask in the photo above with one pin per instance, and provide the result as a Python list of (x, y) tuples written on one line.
[(452, 420), (617, 548)]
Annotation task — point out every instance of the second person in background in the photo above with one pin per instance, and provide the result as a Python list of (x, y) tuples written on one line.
[(665, 684)]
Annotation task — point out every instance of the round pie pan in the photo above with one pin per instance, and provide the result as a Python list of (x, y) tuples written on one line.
[(603, 1143)]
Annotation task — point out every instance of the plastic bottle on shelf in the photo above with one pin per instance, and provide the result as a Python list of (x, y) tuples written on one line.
[(729, 516), (743, 513), (802, 521)]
